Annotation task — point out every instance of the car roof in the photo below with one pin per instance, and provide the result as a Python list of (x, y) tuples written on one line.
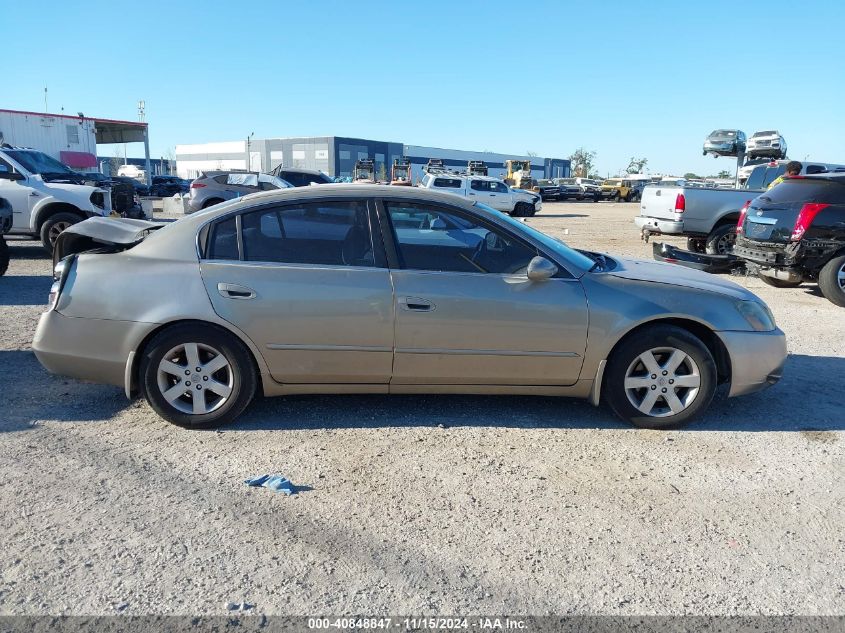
[(302, 170)]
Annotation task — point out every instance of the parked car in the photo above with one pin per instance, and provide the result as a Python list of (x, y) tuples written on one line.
[(569, 189), (589, 188), (5, 226), (487, 190), (547, 189), (301, 177), (379, 289), (724, 143), (795, 232), (140, 188), (619, 189), (707, 216), (166, 186), (766, 144), (214, 187), (748, 166), (46, 196)]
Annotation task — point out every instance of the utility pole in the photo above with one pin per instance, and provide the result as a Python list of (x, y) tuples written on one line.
[(248, 138), (46, 110)]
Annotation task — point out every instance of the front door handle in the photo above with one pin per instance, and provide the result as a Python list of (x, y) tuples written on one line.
[(416, 304), (234, 291)]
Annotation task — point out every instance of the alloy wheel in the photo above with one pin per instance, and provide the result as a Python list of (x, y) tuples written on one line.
[(56, 229), (195, 378), (662, 381), (840, 277)]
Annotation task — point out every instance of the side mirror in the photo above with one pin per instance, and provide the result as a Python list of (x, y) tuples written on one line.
[(6, 174), (541, 269)]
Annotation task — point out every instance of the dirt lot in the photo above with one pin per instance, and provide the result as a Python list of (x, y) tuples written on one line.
[(426, 504)]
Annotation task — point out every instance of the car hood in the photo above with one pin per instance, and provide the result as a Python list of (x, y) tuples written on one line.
[(85, 190), (674, 275)]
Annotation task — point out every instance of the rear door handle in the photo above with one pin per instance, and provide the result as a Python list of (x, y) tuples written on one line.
[(234, 291), (416, 304)]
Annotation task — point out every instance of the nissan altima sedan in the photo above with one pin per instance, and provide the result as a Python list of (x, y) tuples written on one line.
[(372, 289)]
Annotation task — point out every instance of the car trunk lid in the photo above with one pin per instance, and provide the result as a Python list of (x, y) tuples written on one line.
[(662, 202), (102, 234)]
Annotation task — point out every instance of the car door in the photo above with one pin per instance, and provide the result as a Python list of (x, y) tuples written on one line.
[(502, 196), (305, 283), (466, 313), (480, 190), (18, 194)]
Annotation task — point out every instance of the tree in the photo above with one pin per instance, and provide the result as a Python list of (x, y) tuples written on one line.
[(690, 176), (636, 165), (115, 162), (724, 174), (582, 162), (382, 172), (531, 154)]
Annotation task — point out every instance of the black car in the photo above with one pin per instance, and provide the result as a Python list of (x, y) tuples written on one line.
[(547, 190), (166, 186), (795, 232), (301, 177), (140, 188)]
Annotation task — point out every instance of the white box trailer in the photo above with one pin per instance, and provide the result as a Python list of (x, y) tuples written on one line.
[(69, 139)]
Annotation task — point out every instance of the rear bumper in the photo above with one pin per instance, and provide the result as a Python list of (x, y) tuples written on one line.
[(656, 225), (89, 349), (700, 261), (757, 359)]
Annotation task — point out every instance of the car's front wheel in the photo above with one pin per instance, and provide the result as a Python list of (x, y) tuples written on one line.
[(662, 376), (54, 225), (197, 376)]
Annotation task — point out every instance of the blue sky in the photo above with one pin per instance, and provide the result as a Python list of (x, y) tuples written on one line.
[(624, 79)]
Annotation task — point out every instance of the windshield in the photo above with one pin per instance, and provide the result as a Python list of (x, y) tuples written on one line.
[(554, 245), (38, 162)]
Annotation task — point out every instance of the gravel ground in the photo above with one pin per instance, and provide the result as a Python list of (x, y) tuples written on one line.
[(424, 505)]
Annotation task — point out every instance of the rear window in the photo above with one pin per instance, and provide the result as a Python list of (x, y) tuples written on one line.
[(806, 190), (763, 175)]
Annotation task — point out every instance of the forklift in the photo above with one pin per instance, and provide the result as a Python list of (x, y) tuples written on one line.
[(519, 174), (365, 171), (434, 166), (477, 168), (400, 173)]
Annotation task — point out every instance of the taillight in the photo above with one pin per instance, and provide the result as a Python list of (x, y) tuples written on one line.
[(805, 218), (197, 185), (742, 213), (680, 203), (60, 275)]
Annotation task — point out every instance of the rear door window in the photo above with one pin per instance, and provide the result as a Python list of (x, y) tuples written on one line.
[(322, 233), (224, 240), (806, 190)]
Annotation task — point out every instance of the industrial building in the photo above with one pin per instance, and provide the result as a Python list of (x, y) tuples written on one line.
[(72, 140), (336, 156)]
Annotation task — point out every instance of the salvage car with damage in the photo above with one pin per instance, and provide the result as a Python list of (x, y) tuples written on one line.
[(390, 290)]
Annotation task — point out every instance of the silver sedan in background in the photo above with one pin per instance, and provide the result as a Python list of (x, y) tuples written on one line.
[(375, 289)]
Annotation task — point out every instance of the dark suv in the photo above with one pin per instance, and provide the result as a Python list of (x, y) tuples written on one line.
[(301, 177), (5, 225), (795, 232)]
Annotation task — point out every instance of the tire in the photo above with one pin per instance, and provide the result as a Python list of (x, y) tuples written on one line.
[(696, 244), (597, 198), (521, 210), (658, 344), (54, 225), (832, 281), (618, 198), (211, 203), (4, 256), (234, 382), (721, 240), (778, 283)]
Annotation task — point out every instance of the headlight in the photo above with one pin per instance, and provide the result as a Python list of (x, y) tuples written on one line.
[(757, 314)]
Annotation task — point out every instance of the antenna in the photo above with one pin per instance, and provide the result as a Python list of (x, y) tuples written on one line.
[(45, 100), (142, 105)]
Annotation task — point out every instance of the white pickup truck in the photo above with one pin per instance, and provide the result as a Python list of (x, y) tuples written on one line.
[(46, 196), (487, 190), (707, 217)]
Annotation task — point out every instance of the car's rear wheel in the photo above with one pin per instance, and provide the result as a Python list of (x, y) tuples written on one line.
[(721, 240), (54, 225), (661, 377), (696, 244), (778, 283), (197, 376), (4, 256), (211, 203), (832, 281)]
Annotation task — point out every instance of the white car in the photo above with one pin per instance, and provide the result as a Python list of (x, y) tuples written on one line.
[(766, 144), (487, 190), (45, 195)]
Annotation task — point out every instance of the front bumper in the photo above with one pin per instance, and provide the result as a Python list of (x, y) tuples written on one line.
[(757, 359), (96, 350), (657, 225)]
